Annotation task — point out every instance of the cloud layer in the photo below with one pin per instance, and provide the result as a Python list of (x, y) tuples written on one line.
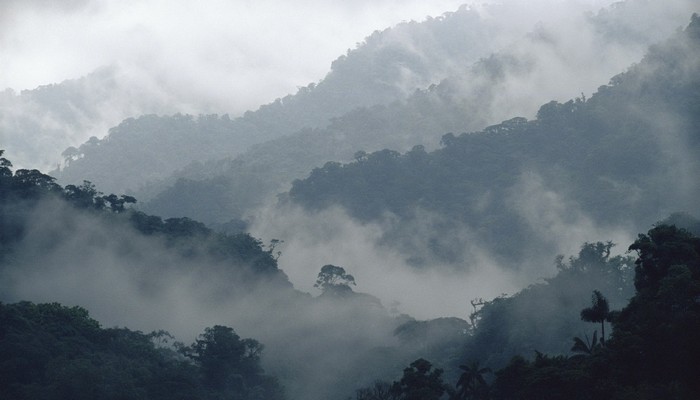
[(232, 54)]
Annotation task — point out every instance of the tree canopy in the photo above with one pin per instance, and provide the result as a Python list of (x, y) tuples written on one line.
[(334, 279), (51, 351)]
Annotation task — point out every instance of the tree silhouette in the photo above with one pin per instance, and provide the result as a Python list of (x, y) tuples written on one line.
[(471, 384), (587, 347), (598, 312), (334, 278), (379, 390), (226, 360), (420, 382)]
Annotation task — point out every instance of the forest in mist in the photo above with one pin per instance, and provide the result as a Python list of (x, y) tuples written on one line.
[(495, 201)]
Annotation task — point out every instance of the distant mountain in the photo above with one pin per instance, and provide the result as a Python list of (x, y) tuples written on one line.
[(75, 246), (387, 67), (36, 125), (629, 154), (528, 71)]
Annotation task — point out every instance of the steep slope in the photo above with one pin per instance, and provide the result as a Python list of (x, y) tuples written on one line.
[(549, 62), (35, 125), (388, 66), (75, 246), (629, 153)]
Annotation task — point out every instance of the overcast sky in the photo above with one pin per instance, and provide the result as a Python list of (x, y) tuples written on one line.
[(259, 49), (215, 56), (242, 52)]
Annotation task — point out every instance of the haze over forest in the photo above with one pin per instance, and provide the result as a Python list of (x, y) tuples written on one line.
[(356, 190)]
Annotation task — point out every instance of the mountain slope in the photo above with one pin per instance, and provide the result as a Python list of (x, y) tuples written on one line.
[(549, 62), (75, 246), (35, 125), (388, 66), (629, 153)]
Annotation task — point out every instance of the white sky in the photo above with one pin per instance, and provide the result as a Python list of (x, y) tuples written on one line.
[(214, 56), (261, 49)]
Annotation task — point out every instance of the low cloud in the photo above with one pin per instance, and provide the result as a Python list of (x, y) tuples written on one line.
[(312, 240), (237, 55), (319, 348), (559, 222)]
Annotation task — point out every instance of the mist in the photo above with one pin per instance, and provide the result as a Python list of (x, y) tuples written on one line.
[(236, 57), (126, 279), (230, 57), (378, 254), (318, 346), (115, 60)]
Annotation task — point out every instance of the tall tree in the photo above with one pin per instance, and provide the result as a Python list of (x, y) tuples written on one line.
[(599, 311), (420, 382), (226, 360), (334, 279), (471, 384)]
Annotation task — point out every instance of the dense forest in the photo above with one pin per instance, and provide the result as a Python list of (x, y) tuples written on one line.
[(377, 235), (625, 156), (370, 75), (403, 86), (231, 190), (133, 268), (49, 349)]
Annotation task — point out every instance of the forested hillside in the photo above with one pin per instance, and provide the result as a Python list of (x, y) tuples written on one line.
[(626, 156), (649, 353), (379, 235), (76, 246), (51, 351), (507, 81), (38, 124), (233, 188), (383, 69), (487, 67), (96, 252)]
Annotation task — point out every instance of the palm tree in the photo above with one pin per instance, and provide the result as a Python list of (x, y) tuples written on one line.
[(598, 312), (587, 347), (471, 384)]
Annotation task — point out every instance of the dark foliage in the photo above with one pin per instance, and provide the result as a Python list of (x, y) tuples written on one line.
[(545, 316), (420, 382), (653, 347), (22, 191), (651, 353), (608, 156), (49, 351)]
